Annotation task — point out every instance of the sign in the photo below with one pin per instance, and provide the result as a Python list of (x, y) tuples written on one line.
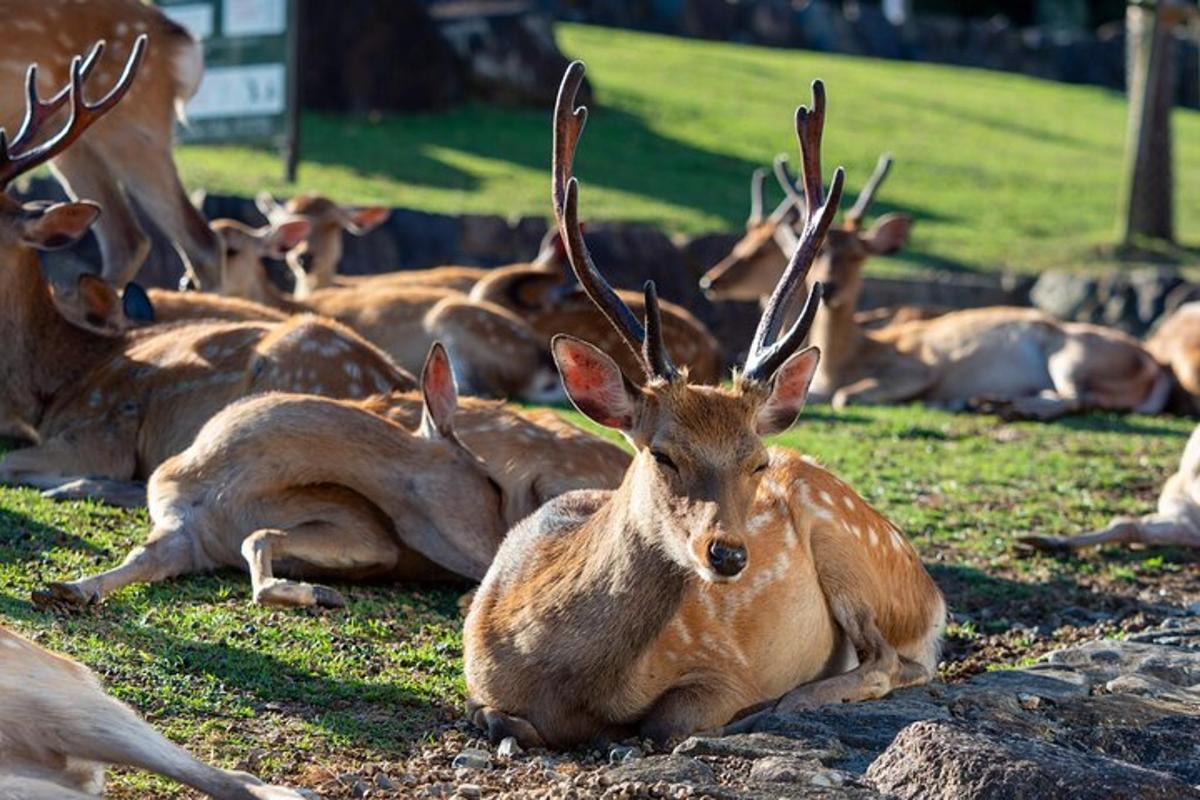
[(248, 92)]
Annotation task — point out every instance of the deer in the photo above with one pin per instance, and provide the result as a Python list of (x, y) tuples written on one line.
[(314, 264), (754, 265), (407, 489), (1176, 522), (128, 158), (104, 406), (61, 729), (495, 352), (1175, 344), (720, 576)]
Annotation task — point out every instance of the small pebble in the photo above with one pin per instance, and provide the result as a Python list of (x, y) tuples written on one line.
[(473, 759), (622, 753), (470, 791), (383, 781), (1029, 702), (509, 748)]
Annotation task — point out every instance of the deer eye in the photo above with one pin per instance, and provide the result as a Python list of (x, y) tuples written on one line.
[(762, 467), (664, 459)]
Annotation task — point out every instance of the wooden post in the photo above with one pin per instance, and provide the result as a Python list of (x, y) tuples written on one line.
[(291, 152), (1147, 210)]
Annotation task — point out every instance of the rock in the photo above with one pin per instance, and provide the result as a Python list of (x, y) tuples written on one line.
[(1054, 685), (472, 759), (790, 769), (940, 759), (1065, 295), (383, 781), (1102, 661), (509, 747), (653, 769), (759, 745), (470, 791), (622, 753)]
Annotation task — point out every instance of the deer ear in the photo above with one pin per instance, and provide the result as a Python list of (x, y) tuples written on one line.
[(285, 235), (888, 234), (789, 390), (268, 206), (594, 383), (439, 393), (364, 219), (58, 225), (136, 304), (91, 304)]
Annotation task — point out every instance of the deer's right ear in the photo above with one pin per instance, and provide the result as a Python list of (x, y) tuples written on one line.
[(594, 383), (364, 219), (789, 390), (57, 225), (286, 234), (439, 393), (888, 234)]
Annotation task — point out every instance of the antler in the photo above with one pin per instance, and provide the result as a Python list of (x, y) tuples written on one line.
[(855, 215), (83, 113), (767, 351), (756, 196), (646, 343)]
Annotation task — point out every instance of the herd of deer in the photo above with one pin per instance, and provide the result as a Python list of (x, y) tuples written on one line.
[(700, 582)]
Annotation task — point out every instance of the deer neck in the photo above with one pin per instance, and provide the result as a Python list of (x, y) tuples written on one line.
[(628, 587), (840, 340), (43, 353)]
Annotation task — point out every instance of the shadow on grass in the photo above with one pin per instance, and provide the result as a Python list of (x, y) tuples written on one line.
[(22, 538), (1114, 423)]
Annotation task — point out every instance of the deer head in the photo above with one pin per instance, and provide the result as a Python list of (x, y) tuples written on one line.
[(315, 261), (699, 450), (754, 265), (89, 303), (244, 248)]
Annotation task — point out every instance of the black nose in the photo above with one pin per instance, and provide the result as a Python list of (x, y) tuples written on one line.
[(726, 560)]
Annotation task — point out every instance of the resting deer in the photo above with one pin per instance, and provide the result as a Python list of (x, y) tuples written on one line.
[(58, 730), (495, 352), (1175, 344), (753, 268), (125, 159), (105, 407), (314, 264), (382, 502), (1177, 521), (719, 574)]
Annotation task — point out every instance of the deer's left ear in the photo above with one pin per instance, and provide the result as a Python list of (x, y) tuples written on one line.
[(286, 234), (364, 219), (57, 225), (888, 234), (439, 393), (594, 383), (789, 390)]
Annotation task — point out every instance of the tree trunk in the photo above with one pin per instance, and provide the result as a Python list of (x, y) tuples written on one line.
[(1147, 210)]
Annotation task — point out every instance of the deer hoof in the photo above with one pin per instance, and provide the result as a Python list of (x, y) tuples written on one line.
[(328, 598), (1045, 544), (62, 594)]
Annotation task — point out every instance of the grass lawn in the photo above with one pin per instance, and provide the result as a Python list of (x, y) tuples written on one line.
[(1001, 171), (305, 696)]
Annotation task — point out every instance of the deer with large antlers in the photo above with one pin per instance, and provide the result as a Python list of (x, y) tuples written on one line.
[(719, 575), (127, 158), (60, 730), (757, 261), (408, 489), (105, 405)]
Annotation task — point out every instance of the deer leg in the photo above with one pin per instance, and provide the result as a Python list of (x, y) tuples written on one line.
[(895, 386), (258, 549), (124, 246), (25, 788), (166, 554), (123, 494), (1153, 529), (154, 182), (684, 710), (500, 726)]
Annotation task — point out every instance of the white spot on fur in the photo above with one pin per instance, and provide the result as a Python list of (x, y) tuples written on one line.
[(826, 497), (848, 502), (897, 542), (756, 523), (873, 538)]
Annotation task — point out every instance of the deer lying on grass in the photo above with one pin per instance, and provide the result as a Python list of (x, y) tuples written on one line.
[(60, 730), (399, 505), (1177, 521), (111, 405), (314, 263), (1175, 344), (495, 352), (127, 157), (753, 268), (719, 574)]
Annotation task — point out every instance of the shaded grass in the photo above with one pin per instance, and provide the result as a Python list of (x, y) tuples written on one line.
[(288, 691), (1000, 171)]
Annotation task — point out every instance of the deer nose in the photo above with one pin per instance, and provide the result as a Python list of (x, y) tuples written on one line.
[(727, 560)]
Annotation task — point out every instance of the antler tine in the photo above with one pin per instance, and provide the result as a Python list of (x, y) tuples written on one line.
[(568, 126), (756, 196), (779, 167), (37, 111), (766, 351), (654, 350), (855, 215), (83, 114), (568, 123)]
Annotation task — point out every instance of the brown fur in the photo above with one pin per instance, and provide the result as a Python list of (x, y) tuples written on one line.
[(61, 729), (127, 155), (1175, 344)]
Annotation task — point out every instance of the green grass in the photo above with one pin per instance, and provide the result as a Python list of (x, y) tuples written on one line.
[(1001, 171), (298, 695)]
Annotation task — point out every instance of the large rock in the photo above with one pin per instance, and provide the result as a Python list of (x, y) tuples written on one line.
[(959, 761)]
